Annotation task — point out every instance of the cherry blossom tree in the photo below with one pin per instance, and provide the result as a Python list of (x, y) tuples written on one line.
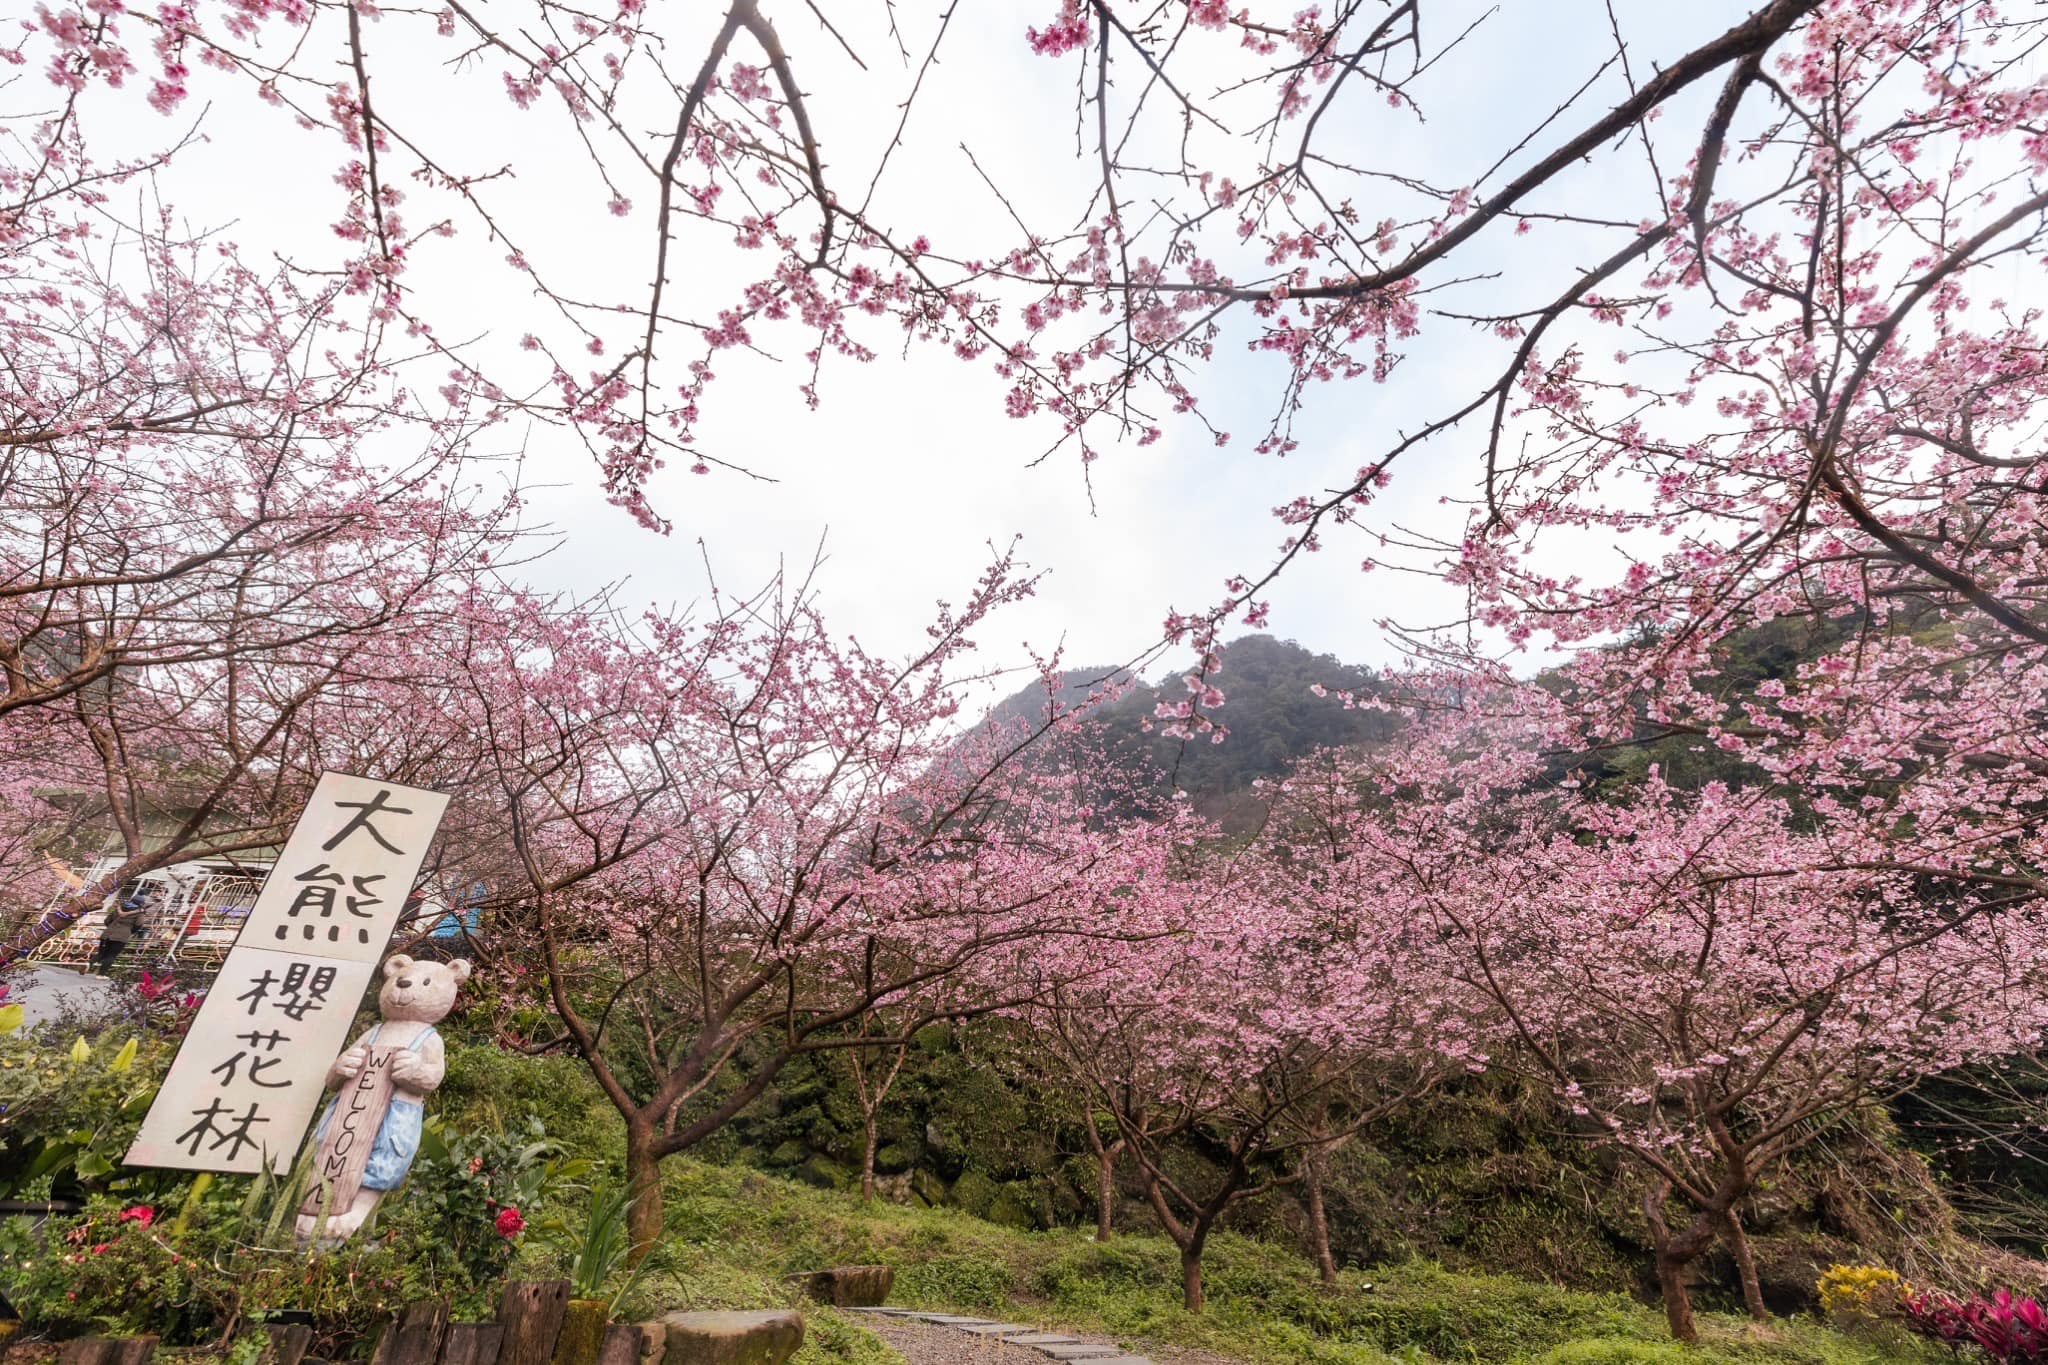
[(1749, 305), (1308, 839), (1737, 300), (1288, 1008), (742, 838), (215, 757), (1699, 976), (226, 524)]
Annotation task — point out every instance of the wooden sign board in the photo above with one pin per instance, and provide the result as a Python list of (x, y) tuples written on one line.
[(252, 1070)]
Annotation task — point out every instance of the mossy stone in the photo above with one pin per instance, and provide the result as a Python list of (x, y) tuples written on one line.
[(973, 1192), (1014, 1207)]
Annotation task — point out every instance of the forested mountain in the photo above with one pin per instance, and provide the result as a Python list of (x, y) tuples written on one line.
[(1273, 717)]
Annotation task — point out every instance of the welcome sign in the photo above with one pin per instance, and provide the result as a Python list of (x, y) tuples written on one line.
[(252, 1070)]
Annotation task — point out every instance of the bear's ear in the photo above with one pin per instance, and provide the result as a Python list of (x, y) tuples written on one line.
[(396, 963), (461, 969)]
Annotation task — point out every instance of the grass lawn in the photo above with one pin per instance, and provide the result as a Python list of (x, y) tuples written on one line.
[(734, 1233)]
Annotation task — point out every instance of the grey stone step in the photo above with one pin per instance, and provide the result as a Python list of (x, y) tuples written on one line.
[(1055, 1345)]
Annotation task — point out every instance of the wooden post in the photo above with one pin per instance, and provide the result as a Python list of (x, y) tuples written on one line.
[(625, 1343), (287, 1346), (345, 1147), (531, 1311), (582, 1334), (414, 1336), (472, 1343), (107, 1351)]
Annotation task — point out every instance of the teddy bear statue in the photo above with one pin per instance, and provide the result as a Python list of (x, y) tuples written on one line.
[(415, 996)]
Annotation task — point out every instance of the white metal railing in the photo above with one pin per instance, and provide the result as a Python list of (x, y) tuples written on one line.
[(195, 921), (200, 913)]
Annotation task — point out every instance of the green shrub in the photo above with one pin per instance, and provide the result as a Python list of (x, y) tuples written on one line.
[(488, 1090), (69, 1109), (965, 1281), (463, 1184), (201, 1271)]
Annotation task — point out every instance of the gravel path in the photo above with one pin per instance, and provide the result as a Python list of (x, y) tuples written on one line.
[(922, 1343), (927, 1343)]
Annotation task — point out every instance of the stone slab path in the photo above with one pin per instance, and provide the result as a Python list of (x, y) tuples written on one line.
[(953, 1339)]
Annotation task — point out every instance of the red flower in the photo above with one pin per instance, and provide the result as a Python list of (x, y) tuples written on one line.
[(509, 1223), (139, 1213), (99, 1248)]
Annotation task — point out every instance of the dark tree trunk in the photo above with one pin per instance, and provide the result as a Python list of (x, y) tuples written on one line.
[(870, 1092), (1674, 1253), (1105, 1178), (1745, 1267), (1190, 1236), (643, 1179), (1105, 1194), (870, 1139), (1677, 1300), (1318, 1217)]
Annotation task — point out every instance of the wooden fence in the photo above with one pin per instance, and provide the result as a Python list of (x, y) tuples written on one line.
[(526, 1331)]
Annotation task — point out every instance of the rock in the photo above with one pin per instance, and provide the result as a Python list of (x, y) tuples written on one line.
[(928, 1187), (943, 1141), (848, 1286), (1013, 1207), (1788, 1271), (973, 1192), (731, 1338), (825, 1173), (895, 1156)]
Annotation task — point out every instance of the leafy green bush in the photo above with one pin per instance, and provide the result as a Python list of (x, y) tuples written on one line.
[(219, 1260), (69, 1109), (472, 1197), (216, 1251), (488, 1090), (968, 1281)]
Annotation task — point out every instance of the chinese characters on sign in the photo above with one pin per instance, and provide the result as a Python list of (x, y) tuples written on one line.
[(252, 1070)]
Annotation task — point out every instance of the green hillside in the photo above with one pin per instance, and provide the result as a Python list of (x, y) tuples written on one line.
[(1272, 715)]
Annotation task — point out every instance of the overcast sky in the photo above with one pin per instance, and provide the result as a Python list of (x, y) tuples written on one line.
[(909, 468)]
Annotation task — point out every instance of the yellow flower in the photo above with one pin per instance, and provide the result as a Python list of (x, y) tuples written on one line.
[(1860, 1292)]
